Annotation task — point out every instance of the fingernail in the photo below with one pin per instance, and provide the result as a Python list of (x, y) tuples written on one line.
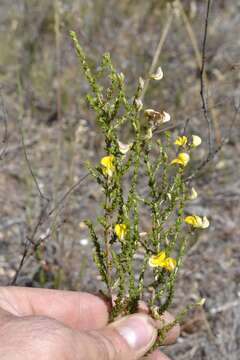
[(137, 331)]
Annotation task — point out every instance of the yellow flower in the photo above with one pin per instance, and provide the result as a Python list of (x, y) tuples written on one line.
[(197, 221), (181, 159), (158, 75), (161, 260), (196, 140), (181, 140), (120, 230), (124, 148), (157, 260), (193, 194), (107, 164)]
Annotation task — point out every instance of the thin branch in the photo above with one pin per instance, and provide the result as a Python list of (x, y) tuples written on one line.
[(22, 261), (203, 85), (68, 193), (27, 245), (212, 155), (224, 307), (158, 51), (3, 118), (42, 196)]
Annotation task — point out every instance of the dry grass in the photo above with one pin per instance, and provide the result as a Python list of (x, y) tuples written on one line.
[(43, 92)]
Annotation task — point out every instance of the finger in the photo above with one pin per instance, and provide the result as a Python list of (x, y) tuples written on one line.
[(173, 334), (166, 319), (156, 355), (80, 311), (126, 339)]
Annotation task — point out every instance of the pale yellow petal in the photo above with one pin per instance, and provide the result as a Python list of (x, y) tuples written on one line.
[(149, 112), (166, 117), (193, 194), (158, 75), (205, 222), (124, 148), (196, 140)]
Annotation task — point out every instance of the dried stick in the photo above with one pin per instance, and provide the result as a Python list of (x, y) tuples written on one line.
[(3, 118), (28, 162), (203, 85), (218, 149), (158, 51), (198, 57), (68, 193)]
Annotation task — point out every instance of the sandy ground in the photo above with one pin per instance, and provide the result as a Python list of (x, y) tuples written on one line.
[(60, 136)]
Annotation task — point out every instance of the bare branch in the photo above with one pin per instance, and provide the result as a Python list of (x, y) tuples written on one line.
[(67, 194), (3, 119), (212, 155), (42, 196), (158, 50), (203, 91)]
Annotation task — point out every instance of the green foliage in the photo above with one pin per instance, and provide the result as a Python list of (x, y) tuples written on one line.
[(120, 242)]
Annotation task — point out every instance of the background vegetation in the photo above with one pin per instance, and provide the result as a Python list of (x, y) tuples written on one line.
[(51, 132)]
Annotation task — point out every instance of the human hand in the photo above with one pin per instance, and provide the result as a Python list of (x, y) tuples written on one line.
[(63, 325)]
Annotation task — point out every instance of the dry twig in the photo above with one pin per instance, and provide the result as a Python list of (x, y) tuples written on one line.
[(203, 91)]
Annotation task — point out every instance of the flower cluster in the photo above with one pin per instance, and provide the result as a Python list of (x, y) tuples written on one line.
[(108, 168), (183, 141)]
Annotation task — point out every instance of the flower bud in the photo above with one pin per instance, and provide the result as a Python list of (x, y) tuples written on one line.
[(158, 75)]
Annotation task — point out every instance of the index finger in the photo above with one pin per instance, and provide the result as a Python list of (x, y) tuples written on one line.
[(78, 310)]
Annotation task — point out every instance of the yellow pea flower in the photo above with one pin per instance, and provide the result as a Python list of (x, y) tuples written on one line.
[(181, 159), (197, 222), (161, 260), (120, 230), (181, 140), (193, 194), (157, 260), (196, 140), (107, 164)]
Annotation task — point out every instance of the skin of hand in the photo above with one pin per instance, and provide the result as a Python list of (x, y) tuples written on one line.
[(63, 325)]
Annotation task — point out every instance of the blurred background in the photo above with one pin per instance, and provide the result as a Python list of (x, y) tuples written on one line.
[(48, 132)]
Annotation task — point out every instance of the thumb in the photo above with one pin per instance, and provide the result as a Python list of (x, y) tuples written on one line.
[(128, 338)]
